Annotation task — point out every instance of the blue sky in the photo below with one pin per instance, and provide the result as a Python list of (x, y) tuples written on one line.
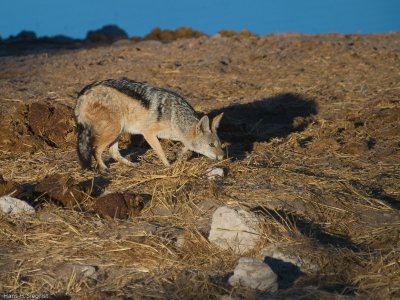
[(75, 17)]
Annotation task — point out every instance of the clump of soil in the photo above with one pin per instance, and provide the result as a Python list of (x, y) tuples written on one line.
[(62, 189), (119, 205), (53, 123), (10, 188), (36, 126)]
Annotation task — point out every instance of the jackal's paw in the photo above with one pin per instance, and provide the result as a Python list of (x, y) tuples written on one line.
[(102, 169), (131, 164)]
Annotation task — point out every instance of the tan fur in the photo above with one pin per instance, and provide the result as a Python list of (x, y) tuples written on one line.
[(109, 112)]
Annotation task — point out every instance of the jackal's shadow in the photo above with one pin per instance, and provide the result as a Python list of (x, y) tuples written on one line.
[(262, 120)]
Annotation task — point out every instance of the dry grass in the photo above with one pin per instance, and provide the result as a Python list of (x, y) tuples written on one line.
[(328, 230), (324, 183)]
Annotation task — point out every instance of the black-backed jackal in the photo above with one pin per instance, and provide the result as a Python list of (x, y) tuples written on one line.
[(107, 108)]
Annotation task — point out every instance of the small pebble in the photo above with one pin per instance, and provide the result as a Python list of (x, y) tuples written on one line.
[(215, 172)]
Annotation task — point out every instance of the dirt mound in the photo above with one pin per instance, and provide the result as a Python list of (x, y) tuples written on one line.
[(38, 125), (10, 188), (119, 205), (52, 123), (65, 191), (62, 189)]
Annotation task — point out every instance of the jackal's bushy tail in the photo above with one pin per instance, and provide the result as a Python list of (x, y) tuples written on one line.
[(84, 145)]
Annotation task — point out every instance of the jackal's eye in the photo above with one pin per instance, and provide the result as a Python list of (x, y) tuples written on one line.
[(211, 145)]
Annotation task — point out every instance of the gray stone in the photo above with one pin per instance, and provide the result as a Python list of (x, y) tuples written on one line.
[(289, 254), (13, 206), (255, 274), (276, 252), (235, 229), (214, 173)]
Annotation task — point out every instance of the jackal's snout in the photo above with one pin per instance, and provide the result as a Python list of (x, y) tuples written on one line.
[(220, 155)]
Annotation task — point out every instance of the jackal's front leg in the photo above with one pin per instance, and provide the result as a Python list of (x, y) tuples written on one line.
[(155, 144)]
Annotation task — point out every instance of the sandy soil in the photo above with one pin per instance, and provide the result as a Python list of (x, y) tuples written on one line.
[(312, 133)]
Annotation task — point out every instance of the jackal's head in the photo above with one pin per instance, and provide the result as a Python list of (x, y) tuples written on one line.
[(205, 139)]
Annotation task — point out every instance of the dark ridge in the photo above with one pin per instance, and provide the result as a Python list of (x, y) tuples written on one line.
[(88, 87), (130, 88)]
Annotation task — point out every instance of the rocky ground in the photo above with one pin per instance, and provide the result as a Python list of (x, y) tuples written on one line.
[(312, 135)]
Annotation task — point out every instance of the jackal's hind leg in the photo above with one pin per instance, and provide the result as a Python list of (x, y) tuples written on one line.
[(97, 155), (116, 155), (106, 134)]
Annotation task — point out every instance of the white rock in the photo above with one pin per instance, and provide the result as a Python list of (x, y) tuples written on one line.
[(288, 254), (215, 172), (234, 229), (13, 206), (255, 274), (276, 252)]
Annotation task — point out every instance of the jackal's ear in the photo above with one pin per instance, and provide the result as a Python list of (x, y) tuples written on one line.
[(215, 122), (203, 125)]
